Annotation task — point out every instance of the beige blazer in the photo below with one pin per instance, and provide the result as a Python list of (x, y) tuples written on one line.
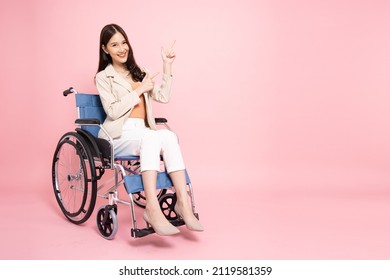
[(119, 99)]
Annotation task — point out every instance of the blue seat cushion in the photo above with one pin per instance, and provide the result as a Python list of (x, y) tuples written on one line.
[(124, 158), (133, 183)]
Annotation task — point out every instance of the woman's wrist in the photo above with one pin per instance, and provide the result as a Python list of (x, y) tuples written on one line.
[(139, 91), (167, 68)]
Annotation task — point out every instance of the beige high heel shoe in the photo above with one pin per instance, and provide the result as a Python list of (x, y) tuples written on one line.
[(192, 224), (168, 229)]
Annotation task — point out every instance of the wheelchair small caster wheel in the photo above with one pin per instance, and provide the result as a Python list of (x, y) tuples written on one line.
[(107, 221), (167, 205)]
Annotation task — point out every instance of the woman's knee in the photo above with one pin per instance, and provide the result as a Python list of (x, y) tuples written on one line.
[(168, 136)]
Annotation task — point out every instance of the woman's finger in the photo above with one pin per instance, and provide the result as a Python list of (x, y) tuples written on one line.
[(154, 75), (174, 41)]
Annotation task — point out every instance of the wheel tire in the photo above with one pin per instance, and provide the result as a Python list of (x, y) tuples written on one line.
[(72, 172), (107, 227)]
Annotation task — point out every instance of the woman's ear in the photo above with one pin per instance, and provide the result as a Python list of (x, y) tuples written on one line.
[(104, 49)]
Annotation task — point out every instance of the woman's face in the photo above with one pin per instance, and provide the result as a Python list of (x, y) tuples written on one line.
[(117, 48)]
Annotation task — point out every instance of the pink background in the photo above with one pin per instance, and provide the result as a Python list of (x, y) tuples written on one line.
[(281, 108)]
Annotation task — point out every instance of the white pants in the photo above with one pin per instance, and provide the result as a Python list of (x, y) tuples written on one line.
[(139, 140)]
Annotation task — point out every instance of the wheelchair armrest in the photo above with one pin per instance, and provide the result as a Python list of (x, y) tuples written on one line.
[(160, 120), (88, 121)]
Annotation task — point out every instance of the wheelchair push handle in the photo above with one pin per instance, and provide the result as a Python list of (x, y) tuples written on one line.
[(69, 91)]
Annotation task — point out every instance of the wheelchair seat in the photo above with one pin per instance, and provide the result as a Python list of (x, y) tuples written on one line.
[(91, 111)]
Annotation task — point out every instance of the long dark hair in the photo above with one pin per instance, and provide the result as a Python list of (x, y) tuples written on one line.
[(104, 59)]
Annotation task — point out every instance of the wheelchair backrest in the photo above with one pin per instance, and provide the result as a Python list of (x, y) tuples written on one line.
[(90, 107)]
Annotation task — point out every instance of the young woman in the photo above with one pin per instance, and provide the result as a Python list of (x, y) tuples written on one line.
[(126, 92)]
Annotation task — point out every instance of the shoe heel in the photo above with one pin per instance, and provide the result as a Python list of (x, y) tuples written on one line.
[(161, 231), (146, 219), (195, 227), (177, 213)]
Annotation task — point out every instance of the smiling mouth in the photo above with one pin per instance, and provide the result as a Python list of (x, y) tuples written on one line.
[(122, 55)]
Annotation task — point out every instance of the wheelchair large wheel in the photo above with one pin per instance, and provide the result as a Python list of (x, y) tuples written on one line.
[(72, 172)]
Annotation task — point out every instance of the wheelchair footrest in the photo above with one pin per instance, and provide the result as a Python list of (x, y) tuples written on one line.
[(137, 233)]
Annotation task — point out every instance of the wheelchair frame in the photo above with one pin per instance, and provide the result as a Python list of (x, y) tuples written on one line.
[(80, 161)]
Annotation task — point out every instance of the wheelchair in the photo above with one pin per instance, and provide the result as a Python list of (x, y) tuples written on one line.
[(81, 159)]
